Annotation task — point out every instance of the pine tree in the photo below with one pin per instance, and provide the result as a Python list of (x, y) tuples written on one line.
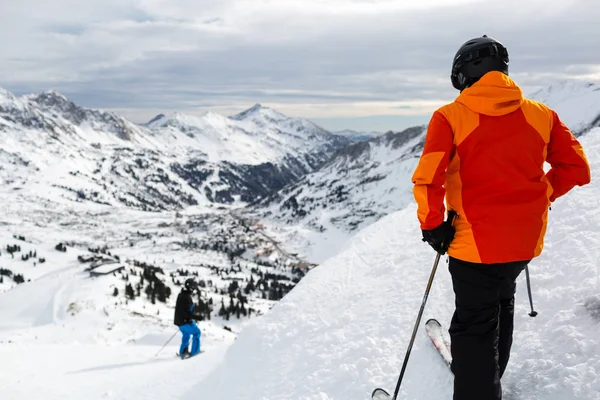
[(116, 292), (222, 311), (161, 291), (129, 293)]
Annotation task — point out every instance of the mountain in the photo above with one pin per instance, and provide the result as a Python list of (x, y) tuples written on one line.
[(355, 136), (94, 287), (344, 329), (170, 163), (255, 136), (360, 184), (99, 231), (370, 179), (576, 102)]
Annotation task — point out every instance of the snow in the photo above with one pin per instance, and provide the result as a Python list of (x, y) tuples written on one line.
[(58, 340), (373, 175), (257, 135), (345, 327), (74, 371), (576, 102), (170, 163), (358, 136), (63, 335), (361, 184), (341, 332)]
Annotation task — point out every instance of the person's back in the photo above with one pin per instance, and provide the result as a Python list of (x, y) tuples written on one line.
[(485, 153), (183, 310), (495, 180), (184, 319)]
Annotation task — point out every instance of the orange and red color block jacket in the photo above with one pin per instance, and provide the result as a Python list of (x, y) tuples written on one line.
[(485, 154)]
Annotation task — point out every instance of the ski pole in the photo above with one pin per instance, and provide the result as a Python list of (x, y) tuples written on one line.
[(451, 215), (532, 313), (171, 338)]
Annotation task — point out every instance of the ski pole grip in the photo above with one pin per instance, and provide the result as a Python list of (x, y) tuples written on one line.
[(451, 216)]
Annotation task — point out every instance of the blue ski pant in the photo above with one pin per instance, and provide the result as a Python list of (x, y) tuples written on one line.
[(188, 331)]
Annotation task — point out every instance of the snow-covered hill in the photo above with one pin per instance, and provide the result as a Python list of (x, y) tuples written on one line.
[(576, 102), (362, 183), (371, 179), (356, 136), (87, 294), (255, 136), (170, 163), (345, 328)]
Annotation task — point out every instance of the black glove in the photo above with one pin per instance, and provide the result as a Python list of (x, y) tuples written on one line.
[(440, 237)]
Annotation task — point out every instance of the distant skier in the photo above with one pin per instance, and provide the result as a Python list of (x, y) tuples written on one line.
[(184, 319), (485, 154)]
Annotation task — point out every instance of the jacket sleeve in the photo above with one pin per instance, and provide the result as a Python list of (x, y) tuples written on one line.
[(430, 175), (569, 165), (189, 308)]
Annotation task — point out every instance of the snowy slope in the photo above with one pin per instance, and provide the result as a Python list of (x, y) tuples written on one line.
[(576, 102), (362, 183), (344, 329), (173, 162), (63, 337), (370, 179), (356, 136), (303, 135), (67, 335), (255, 136)]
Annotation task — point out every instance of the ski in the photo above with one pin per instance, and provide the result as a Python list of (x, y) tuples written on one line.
[(187, 355), (435, 333), (380, 394), (434, 330)]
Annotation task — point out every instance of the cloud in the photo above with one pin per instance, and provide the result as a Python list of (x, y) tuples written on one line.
[(329, 58)]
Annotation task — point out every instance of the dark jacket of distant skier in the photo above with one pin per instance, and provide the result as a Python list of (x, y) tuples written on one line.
[(485, 154), (184, 319)]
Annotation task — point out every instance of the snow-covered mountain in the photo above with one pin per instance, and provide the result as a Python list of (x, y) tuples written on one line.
[(360, 184), (344, 329), (356, 136), (370, 179), (576, 102), (253, 137), (171, 163), (83, 178), (87, 295), (90, 279)]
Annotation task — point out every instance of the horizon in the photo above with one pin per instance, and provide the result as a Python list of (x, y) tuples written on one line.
[(381, 123), (344, 64)]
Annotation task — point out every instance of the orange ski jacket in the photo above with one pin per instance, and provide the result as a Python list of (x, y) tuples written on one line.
[(485, 153)]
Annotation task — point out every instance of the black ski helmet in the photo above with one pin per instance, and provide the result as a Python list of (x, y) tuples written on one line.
[(190, 284), (475, 58)]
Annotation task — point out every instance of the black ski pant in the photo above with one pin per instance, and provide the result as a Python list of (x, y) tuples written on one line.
[(482, 326)]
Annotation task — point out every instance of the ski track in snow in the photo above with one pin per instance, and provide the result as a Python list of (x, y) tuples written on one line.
[(72, 371), (47, 352), (344, 329)]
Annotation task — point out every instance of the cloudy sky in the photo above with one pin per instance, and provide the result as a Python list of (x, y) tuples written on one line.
[(361, 64)]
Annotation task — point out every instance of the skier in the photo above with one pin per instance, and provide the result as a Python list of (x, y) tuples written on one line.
[(184, 319), (484, 153)]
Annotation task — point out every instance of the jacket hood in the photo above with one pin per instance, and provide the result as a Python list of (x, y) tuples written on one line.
[(494, 94)]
